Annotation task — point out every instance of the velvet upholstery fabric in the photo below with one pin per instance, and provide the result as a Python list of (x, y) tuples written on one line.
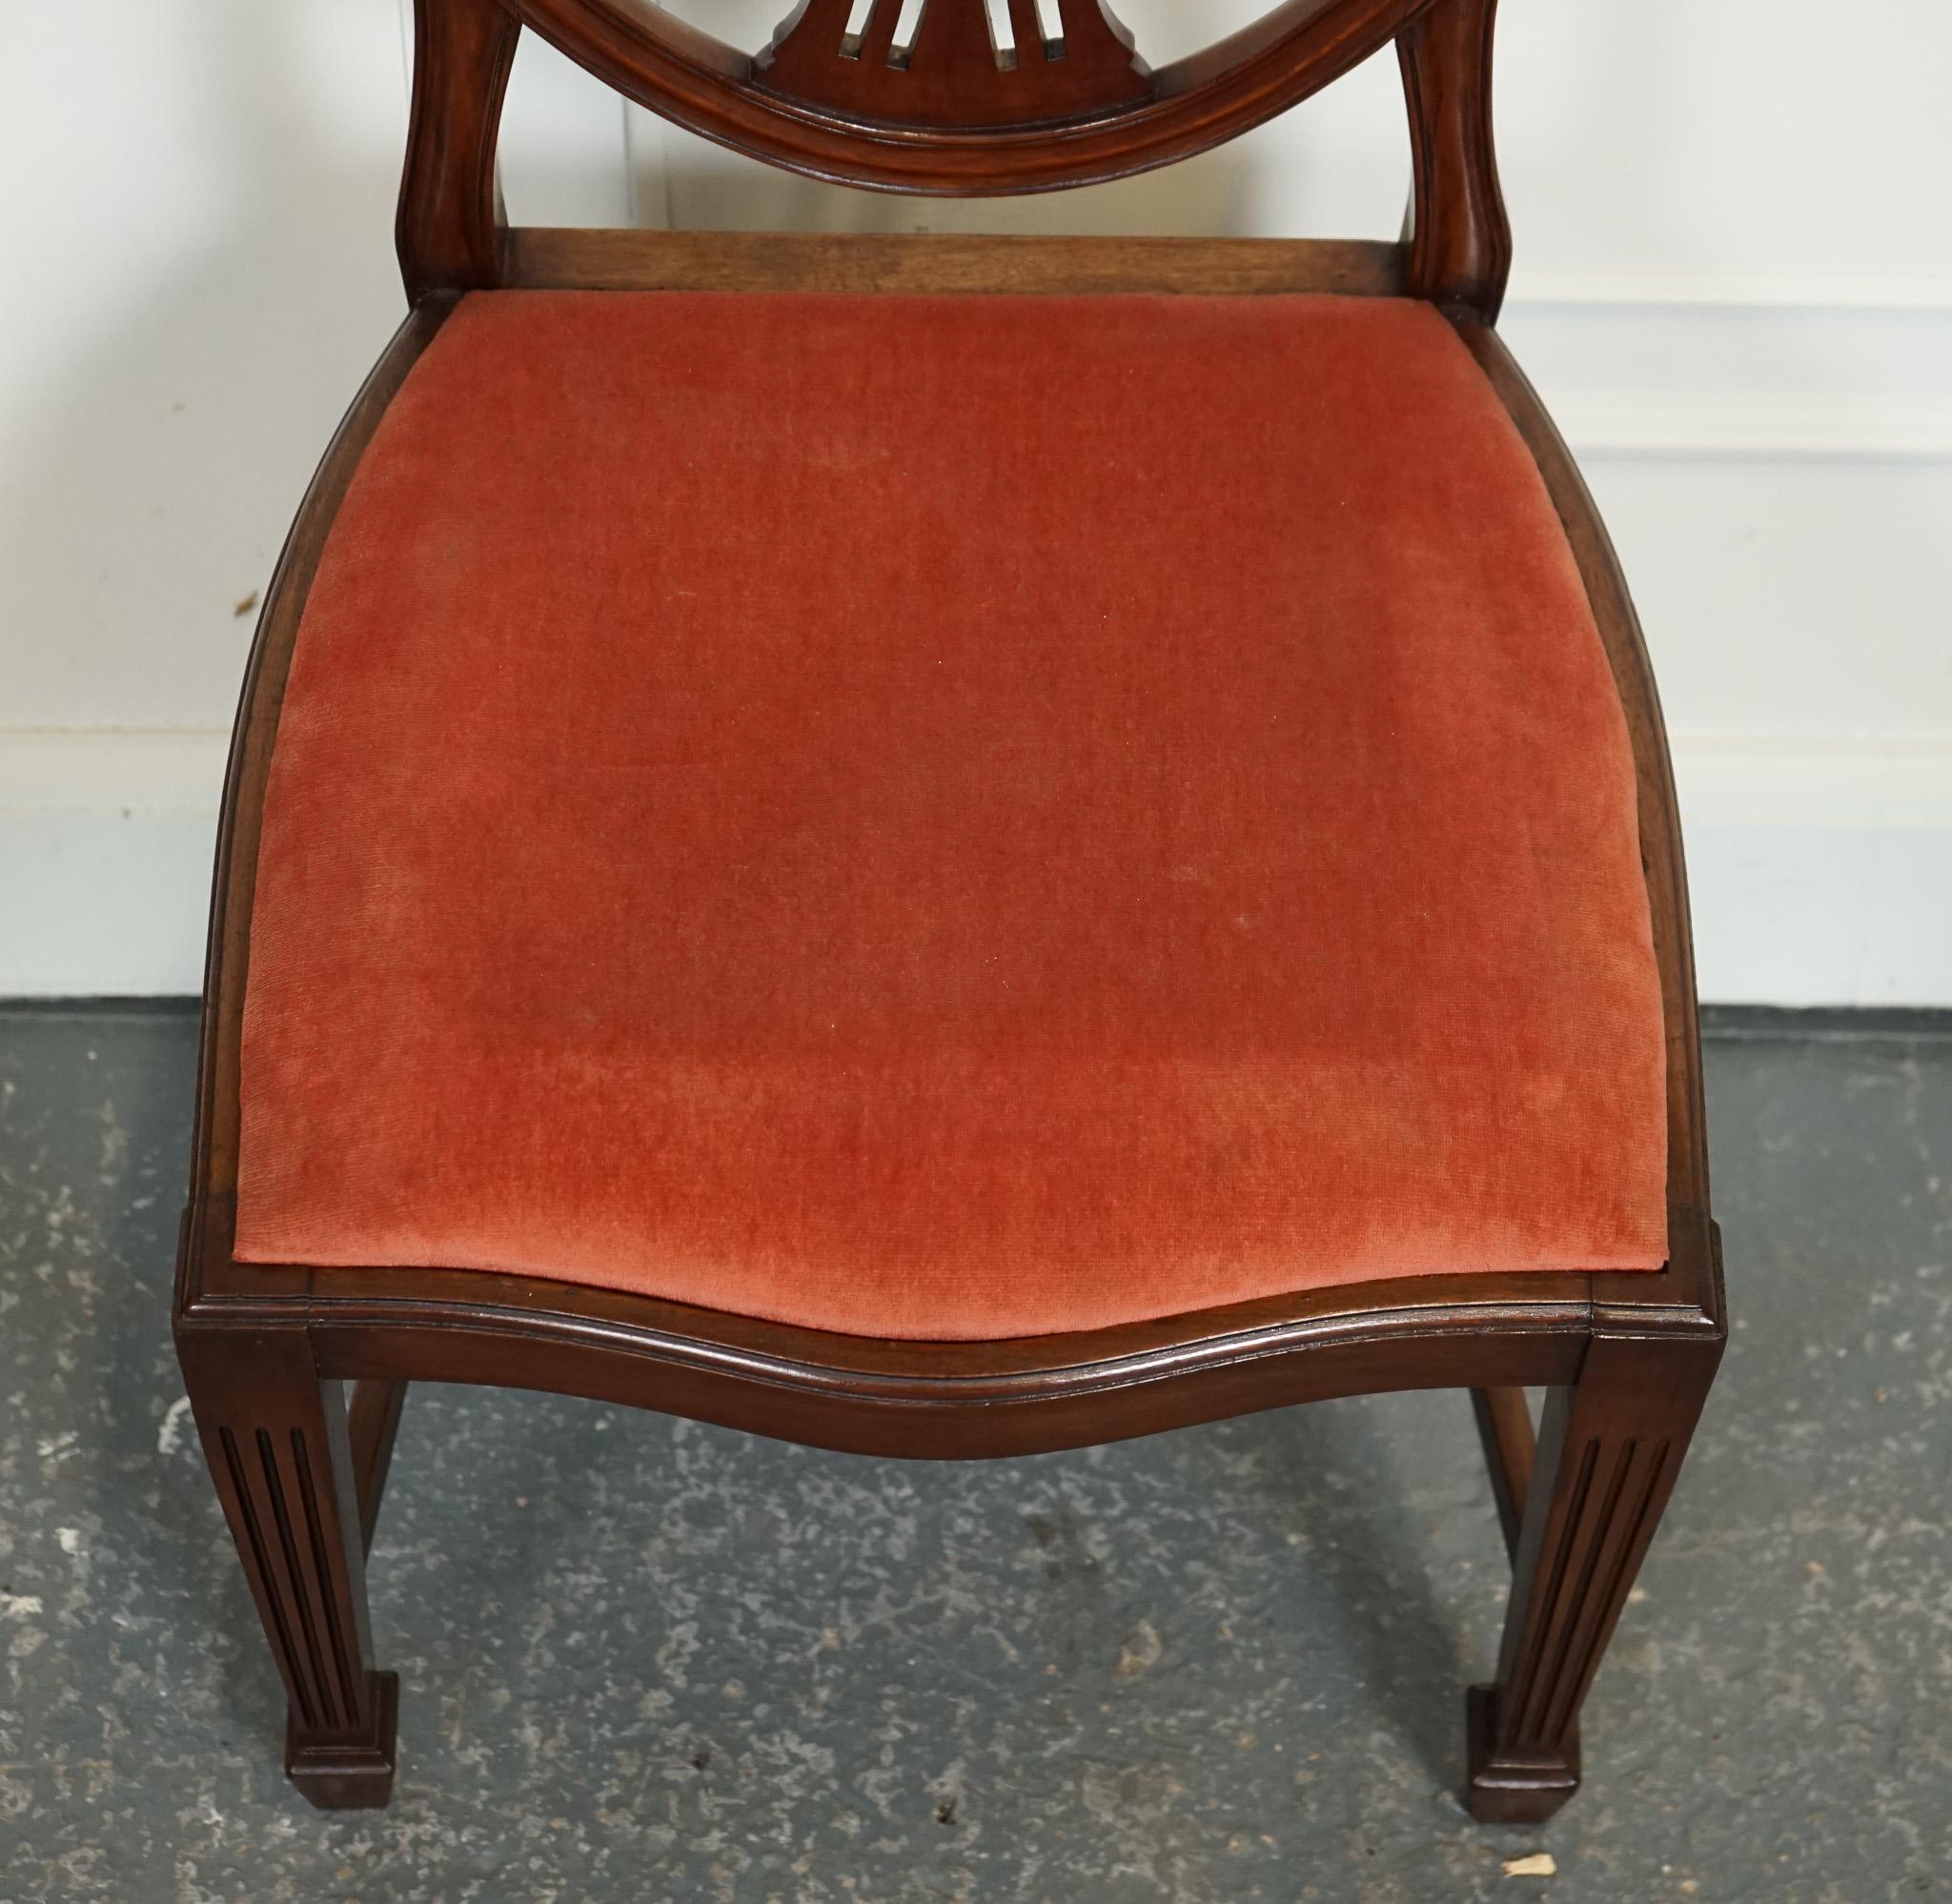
[(951, 817)]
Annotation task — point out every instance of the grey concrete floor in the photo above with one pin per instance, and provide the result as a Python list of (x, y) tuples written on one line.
[(647, 1660)]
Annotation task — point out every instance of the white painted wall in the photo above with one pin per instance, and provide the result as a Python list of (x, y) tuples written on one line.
[(1735, 285)]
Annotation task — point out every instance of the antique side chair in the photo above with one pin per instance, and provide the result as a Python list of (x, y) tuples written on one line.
[(949, 846)]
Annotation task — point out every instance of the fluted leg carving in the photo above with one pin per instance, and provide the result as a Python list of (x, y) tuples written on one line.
[(275, 1438), (1609, 1450)]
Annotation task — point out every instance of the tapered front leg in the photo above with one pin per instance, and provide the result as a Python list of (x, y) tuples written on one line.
[(1511, 1450), (276, 1440), (1609, 1450)]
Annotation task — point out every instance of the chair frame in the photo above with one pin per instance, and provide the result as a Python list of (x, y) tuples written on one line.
[(1626, 1358)]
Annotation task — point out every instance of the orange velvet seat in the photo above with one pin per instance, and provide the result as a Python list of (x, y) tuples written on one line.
[(950, 817)]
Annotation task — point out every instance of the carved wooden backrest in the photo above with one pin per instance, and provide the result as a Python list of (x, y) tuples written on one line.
[(961, 98), (956, 69)]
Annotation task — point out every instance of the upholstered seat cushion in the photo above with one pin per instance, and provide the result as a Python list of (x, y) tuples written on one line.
[(950, 817)]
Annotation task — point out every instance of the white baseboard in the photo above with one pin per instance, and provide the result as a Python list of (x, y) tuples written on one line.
[(1828, 427), (107, 841), (1822, 870), (1826, 372)]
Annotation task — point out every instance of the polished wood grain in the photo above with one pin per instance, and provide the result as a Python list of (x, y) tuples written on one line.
[(539, 259), (1612, 1442), (920, 1400), (1186, 107), (273, 1428), (276, 1436), (448, 227), (1511, 1452), (372, 1426), (1610, 1449), (1460, 240), (1626, 1359), (959, 135)]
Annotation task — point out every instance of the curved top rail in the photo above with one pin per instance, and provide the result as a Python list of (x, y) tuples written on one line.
[(952, 111)]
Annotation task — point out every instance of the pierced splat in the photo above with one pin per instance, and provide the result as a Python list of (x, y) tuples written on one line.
[(945, 65)]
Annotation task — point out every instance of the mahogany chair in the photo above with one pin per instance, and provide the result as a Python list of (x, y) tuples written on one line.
[(949, 846)]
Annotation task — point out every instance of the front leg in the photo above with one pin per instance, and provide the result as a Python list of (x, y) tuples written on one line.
[(276, 1437), (1609, 1449)]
